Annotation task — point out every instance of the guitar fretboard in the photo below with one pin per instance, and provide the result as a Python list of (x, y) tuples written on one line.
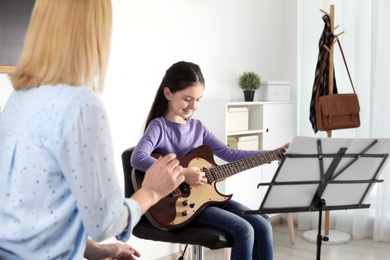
[(226, 170)]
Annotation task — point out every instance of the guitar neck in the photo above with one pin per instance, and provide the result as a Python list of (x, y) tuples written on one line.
[(223, 171)]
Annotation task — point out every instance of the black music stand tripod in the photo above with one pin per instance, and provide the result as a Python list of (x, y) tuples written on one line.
[(320, 174)]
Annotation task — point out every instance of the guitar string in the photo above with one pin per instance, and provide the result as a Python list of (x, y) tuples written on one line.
[(223, 171)]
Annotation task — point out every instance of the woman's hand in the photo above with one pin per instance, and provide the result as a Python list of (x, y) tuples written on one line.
[(118, 251), (160, 179)]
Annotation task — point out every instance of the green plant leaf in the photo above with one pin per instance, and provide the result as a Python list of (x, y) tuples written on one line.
[(249, 80)]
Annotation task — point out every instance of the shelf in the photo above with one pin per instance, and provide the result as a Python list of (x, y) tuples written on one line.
[(256, 103), (274, 123), (248, 132)]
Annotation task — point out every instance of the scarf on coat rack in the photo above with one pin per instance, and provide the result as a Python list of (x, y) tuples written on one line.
[(321, 78)]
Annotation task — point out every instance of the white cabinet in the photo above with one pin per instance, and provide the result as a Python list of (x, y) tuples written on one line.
[(273, 122)]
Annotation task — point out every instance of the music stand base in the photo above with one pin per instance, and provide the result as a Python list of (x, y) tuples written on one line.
[(335, 237)]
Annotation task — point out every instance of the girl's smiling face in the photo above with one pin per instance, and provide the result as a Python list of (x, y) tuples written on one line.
[(183, 103)]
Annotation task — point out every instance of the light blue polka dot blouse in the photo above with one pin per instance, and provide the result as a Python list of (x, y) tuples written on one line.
[(58, 182)]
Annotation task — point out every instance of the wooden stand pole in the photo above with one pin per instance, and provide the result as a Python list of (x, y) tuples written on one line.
[(330, 92), (335, 237)]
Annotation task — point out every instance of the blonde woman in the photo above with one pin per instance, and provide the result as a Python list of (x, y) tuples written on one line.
[(58, 183)]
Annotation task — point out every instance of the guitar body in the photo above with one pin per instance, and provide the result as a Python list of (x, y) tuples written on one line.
[(185, 203)]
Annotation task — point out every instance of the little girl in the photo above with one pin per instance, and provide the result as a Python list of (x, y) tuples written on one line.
[(170, 129)]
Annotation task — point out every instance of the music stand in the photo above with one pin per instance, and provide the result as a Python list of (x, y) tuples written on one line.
[(320, 174)]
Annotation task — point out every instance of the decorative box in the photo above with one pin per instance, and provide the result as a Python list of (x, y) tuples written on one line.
[(274, 91), (237, 119), (248, 142)]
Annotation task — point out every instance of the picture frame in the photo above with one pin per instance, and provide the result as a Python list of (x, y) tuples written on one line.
[(14, 20)]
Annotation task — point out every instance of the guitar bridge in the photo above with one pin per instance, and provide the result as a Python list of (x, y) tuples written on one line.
[(176, 192)]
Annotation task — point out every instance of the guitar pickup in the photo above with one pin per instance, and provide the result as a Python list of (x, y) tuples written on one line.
[(185, 188), (207, 174)]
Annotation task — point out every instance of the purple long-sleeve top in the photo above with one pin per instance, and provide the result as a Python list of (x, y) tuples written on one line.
[(163, 136)]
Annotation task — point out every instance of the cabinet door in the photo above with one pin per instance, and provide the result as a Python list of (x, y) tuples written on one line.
[(279, 121), (274, 122), (279, 124)]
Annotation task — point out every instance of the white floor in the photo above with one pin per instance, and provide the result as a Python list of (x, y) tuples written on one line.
[(365, 249)]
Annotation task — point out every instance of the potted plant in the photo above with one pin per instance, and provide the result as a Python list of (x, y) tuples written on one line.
[(249, 82)]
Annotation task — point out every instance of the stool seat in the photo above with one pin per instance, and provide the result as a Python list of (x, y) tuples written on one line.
[(207, 237)]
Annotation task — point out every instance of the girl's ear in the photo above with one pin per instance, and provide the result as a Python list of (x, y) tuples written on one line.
[(167, 93)]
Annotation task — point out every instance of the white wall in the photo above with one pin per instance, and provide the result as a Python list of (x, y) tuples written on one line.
[(225, 38), (353, 20), (5, 90)]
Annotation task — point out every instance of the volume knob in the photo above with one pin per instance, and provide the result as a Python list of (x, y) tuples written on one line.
[(185, 213)]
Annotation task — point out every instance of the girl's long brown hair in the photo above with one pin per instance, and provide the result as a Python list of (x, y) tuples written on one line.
[(178, 77)]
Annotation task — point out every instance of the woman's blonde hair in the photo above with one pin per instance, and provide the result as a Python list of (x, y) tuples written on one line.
[(67, 41)]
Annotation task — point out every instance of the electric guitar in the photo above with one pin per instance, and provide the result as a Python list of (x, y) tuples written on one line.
[(181, 206)]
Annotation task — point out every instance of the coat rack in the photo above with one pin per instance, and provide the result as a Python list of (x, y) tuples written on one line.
[(334, 237)]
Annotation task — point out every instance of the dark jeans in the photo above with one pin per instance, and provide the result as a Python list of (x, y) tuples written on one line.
[(252, 234)]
